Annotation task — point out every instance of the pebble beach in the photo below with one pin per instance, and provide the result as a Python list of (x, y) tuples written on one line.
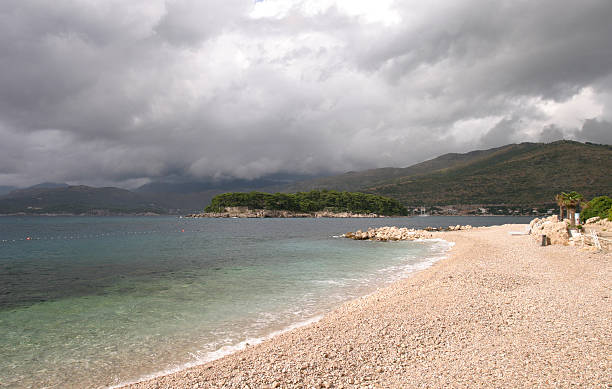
[(500, 311)]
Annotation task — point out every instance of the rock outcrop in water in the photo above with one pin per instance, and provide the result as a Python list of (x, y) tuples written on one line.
[(403, 233)]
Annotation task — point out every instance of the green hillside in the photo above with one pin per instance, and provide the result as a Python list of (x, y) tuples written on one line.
[(353, 181), (517, 174)]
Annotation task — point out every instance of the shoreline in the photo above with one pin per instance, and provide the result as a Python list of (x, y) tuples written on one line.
[(220, 353), (226, 351), (482, 316)]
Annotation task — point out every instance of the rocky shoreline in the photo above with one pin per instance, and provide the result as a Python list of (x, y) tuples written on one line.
[(243, 212), (394, 233), (556, 232)]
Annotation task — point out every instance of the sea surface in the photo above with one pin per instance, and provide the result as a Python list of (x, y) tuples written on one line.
[(100, 301)]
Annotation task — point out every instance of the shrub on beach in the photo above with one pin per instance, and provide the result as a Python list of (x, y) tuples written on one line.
[(600, 206)]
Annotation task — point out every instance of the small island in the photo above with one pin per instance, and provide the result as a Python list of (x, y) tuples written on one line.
[(316, 203)]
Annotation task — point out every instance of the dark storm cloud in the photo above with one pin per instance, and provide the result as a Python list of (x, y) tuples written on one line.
[(123, 92), (545, 48)]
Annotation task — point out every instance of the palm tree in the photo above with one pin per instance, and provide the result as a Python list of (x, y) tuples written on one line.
[(571, 200)]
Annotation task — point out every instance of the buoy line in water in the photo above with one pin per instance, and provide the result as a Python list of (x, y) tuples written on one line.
[(92, 236)]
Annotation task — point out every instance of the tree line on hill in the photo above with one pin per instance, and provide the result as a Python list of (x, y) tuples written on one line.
[(309, 202)]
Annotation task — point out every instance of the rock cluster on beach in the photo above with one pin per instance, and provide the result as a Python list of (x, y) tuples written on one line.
[(403, 233), (596, 221), (555, 230)]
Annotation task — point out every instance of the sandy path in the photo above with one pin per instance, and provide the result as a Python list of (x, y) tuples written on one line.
[(500, 312)]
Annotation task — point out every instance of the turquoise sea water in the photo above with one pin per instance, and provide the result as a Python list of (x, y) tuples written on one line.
[(95, 302)]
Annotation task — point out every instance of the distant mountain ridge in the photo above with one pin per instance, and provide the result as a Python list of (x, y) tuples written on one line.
[(77, 199), (49, 185), (527, 174), (351, 181), (5, 189), (156, 197), (516, 174)]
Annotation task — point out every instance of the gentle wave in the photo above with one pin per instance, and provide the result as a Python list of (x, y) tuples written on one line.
[(220, 353), (401, 271)]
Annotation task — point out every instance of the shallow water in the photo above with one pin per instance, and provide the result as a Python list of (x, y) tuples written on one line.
[(89, 302)]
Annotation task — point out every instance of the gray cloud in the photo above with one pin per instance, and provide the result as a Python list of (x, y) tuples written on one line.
[(544, 48), (186, 22), (595, 131), (121, 93), (551, 133), (502, 133)]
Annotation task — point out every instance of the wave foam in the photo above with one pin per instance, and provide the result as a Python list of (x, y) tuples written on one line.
[(219, 353)]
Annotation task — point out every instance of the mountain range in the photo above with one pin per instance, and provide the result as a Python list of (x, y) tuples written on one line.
[(516, 174), (525, 174)]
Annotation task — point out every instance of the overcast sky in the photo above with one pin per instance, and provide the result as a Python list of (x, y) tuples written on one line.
[(115, 92)]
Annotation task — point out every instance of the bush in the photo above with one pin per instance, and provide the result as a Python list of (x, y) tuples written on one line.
[(600, 206)]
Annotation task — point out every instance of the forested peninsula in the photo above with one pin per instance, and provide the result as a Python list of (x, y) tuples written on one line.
[(322, 203)]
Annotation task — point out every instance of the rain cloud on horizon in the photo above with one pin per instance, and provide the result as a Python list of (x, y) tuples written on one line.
[(124, 93)]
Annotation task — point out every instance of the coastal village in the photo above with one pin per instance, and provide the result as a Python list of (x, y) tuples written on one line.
[(482, 210)]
